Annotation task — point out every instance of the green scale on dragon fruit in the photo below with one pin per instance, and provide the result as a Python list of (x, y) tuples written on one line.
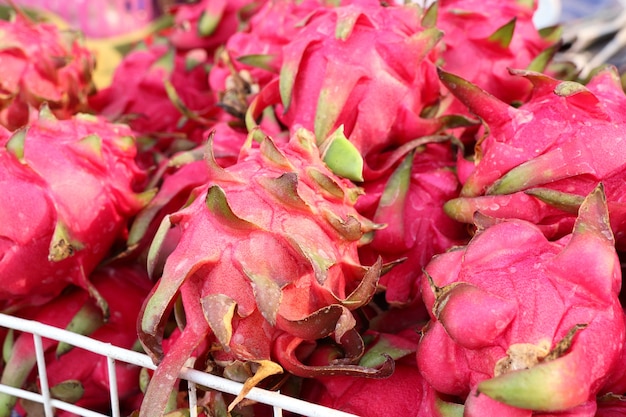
[(540, 312)]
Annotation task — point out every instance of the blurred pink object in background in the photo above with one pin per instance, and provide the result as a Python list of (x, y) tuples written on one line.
[(99, 18)]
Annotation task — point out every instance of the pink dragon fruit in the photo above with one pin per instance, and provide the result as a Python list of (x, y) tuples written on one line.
[(497, 35), (515, 317), (54, 173), (409, 202), (42, 64), (267, 250), (362, 66), (162, 94), (538, 159), (81, 372)]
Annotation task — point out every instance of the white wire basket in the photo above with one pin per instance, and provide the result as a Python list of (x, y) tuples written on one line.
[(278, 401)]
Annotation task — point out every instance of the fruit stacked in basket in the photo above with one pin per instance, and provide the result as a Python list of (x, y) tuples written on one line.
[(383, 208)]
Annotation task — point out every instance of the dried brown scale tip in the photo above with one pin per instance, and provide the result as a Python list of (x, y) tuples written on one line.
[(564, 344), (437, 291)]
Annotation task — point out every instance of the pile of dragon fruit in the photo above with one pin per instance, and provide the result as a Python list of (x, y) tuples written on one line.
[(387, 209)]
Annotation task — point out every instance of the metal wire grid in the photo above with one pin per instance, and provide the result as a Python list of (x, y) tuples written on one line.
[(39, 330)]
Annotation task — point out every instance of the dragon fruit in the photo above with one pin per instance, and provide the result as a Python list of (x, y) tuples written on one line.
[(497, 35), (266, 256), (539, 311), (42, 64), (409, 202), (162, 93), (77, 311), (538, 160), (54, 172), (362, 66)]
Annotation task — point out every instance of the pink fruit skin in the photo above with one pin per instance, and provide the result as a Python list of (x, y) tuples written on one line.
[(543, 145), (58, 180), (540, 290), (480, 405), (617, 381)]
